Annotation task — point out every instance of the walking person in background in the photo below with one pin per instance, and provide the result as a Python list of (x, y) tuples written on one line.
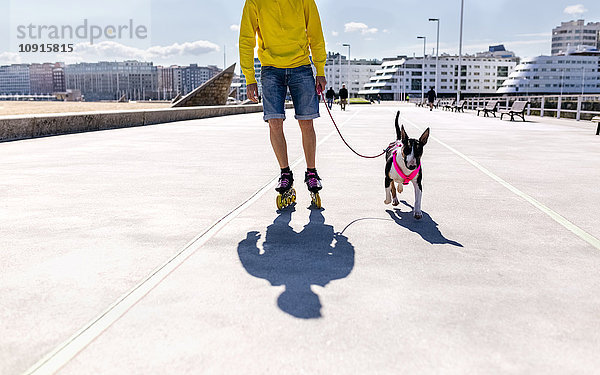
[(431, 96), (330, 96), (343, 97), (288, 33)]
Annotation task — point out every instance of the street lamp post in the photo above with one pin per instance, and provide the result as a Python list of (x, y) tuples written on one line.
[(403, 80), (349, 80), (437, 54), (423, 66), (582, 81), (462, 7), (562, 79)]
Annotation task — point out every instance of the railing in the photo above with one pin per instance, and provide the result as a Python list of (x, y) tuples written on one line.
[(578, 107), (21, 97)]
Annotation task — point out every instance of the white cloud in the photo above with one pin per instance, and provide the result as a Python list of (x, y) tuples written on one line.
[(234, 27), (351, 27), (117, 51), (386, 31), (535, 34), (335, 33), (199, 47), (575, 10), (10, 58)]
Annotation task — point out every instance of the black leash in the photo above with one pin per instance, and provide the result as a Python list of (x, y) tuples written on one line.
[(342, 137)]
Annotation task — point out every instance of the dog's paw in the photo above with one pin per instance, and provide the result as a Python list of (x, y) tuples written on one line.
[(418, 215), (400, 188), (387, 201), (395, 202)]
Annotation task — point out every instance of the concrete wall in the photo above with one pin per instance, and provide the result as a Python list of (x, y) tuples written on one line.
[(33, 126)]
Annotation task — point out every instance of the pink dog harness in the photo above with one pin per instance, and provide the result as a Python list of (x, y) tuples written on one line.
[(406, 178)]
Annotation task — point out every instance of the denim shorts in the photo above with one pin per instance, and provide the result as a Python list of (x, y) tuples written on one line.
[(301, 84)]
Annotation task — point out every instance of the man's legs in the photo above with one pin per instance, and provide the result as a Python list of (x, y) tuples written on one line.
[(278, 141), (309, 142), (274, 90), (306, 104)]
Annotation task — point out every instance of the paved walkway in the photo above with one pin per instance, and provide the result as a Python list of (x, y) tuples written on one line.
[(158, 250)]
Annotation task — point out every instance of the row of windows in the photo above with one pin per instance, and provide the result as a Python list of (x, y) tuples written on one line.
[(577, 31), (553, 85), (578, 37)]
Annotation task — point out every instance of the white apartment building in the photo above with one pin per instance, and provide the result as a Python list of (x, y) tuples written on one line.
[(574, 34), (572, 74), (481, 74), (354, 76)]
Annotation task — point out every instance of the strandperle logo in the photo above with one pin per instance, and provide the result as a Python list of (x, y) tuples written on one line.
[(83, 31)]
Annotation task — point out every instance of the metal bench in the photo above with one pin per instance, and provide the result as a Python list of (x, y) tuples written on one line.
[(449, 105), (460, 107), (490, 107), (517, 109), (596, 119)]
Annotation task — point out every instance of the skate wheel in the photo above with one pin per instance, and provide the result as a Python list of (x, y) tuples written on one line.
[(316, 200), (280, 203)]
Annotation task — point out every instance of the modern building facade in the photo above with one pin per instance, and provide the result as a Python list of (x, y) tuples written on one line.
[(15, 79), (47, 78), (243, 91), (481, 74), (169, 80), (571, 74), (111, 80), (354, 76), (58, 78), (574, 34), (194, 76)]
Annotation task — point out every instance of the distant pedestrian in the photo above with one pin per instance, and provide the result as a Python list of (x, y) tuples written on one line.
[(330, 96), (378, 99), (431, 96), (407, 98), (343, 97)]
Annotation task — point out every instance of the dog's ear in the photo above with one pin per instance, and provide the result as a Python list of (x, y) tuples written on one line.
[(424, 137), (398, 133), (403, 136)]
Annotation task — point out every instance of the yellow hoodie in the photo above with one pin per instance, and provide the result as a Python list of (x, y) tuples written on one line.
[(286, 29)]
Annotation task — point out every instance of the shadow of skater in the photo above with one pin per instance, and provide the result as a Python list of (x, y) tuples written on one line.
[(314, 256), (426, 227)]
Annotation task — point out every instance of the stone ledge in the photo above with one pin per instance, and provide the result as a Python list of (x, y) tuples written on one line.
[(13, 128)]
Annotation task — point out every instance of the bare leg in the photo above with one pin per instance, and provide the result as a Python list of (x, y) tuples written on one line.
[(309, 142), (278, 141)]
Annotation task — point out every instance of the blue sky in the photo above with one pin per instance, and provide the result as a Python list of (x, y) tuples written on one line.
[(185, 31)]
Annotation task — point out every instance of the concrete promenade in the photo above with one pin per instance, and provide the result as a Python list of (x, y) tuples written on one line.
[(158, 250)]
